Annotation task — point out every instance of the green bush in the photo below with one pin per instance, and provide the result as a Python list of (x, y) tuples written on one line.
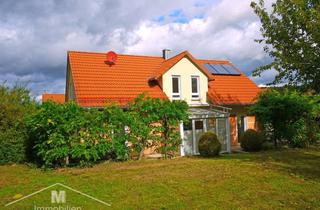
[(12, 146), (251, 140), (15, 104), (288, 117), (70, 135), (154, 122), (209, 144)]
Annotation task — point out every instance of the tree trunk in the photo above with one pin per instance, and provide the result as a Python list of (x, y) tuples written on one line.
[(141, 154), (67, 160), (275, 142)]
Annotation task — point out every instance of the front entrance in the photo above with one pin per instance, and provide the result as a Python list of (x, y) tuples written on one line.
[(241, 126), (192, 130)]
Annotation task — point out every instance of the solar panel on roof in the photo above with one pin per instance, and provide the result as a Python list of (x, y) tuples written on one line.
[(210, 68), (220, 69), (231, 69)]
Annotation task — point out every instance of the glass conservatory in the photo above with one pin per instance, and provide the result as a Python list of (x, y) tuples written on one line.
[(202, 120)]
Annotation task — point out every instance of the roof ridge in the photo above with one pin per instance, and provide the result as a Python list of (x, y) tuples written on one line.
[(88, 52), (183, 52), (214, 60)]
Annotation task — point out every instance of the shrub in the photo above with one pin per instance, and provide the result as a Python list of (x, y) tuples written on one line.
[(15, 104), (154, 123), (251, 140), (209, 144), (288, 116), (68, 134), (169, 115)]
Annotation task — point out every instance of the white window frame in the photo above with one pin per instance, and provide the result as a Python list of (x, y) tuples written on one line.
[(195, 96), (176, 96)]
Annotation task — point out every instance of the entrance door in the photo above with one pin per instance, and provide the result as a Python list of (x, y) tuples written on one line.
[(199, 129), (187, 138), (241, 126), (191, 134)]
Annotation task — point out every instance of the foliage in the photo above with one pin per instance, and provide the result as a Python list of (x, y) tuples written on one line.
[(209, 144), (154, 122), (68, 134), (169, 115), (287, 116), (251, 140), (15, 103), (142, 124), (116, 121), (291, 35)]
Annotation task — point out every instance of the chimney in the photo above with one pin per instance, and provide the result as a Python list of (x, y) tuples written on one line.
[(165, 53)]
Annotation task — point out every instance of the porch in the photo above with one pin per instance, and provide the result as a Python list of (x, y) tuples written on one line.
[(202, 120)]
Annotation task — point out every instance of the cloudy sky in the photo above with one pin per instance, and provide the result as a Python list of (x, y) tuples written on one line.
[(35, 35)]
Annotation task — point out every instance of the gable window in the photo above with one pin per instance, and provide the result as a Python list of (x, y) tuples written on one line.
[(176, 87), (195, 86)]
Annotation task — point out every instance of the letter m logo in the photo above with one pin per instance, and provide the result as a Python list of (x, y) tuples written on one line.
[(58, 197)]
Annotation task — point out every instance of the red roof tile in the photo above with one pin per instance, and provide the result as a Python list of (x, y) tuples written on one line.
[(58, 98), (97, 82)]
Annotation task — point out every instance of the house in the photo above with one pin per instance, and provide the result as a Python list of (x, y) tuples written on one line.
[(56, 97), (217, 92)]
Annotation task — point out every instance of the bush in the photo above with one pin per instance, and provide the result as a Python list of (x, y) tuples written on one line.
[(15, 104), (209, 144), (288, 117), (251, 140), (70, 135), (154, 123)]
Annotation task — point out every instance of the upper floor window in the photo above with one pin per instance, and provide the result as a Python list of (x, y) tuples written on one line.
[(195, 86), (176, 92)]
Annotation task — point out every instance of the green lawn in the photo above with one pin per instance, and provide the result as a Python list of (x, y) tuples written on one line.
[(288, 179)]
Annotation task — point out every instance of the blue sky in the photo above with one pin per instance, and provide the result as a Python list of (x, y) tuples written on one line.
[(35, 35)]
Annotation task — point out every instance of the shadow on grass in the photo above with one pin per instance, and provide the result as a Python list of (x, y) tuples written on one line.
[(297, 162)]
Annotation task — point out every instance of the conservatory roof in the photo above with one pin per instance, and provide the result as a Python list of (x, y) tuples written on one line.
[(201, 113)]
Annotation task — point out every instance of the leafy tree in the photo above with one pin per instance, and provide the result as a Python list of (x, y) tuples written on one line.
[(170, 114), (291, 35), (143, 120), (284, 115), (15, 104), (116, 121)]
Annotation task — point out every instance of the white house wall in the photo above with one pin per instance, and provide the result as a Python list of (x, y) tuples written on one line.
[(186, 69)]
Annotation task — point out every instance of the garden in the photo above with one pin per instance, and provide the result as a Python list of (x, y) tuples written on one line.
[(51, 135), (47, 143)]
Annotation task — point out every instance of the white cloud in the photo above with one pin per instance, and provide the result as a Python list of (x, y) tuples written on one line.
[(36, 35), (227, 31)]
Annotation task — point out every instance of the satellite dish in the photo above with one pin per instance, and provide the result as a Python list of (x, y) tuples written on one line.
[(111, 57)]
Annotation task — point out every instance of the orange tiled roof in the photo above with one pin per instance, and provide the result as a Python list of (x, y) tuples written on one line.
[(58, 98), (96, 82), (231, 89)]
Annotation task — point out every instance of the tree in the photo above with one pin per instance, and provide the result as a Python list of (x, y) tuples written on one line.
[(287, 115), (291, 35), (142, 123), (15, 104), (154, 122), (170, 114)]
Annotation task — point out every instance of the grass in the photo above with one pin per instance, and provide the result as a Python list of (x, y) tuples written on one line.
[(287, 179)]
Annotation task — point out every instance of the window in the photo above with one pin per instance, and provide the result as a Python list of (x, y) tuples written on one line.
[(176, 87), (195, 87)]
